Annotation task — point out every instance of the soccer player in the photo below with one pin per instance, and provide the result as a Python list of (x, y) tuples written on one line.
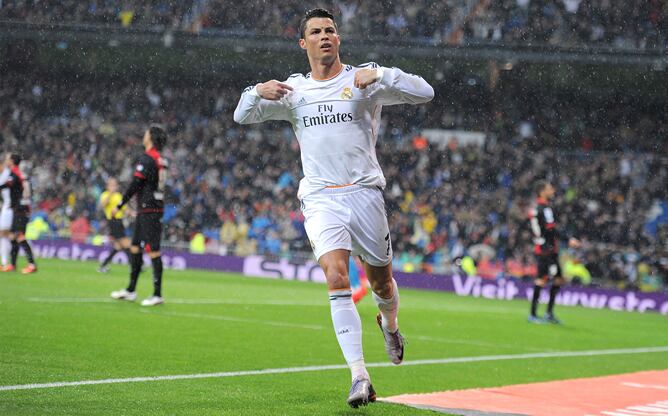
[(108, 200), (543, 223), (149, 184), (335, 113), (6, 216), (20, 196)]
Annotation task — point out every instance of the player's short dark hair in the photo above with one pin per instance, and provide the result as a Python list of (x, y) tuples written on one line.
[(16, 158), (539, 186), (158, 136), (310, 15)]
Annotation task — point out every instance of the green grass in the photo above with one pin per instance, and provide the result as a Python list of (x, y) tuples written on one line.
[(71, 341)]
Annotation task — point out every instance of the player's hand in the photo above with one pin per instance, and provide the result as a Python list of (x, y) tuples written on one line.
[(114, 211), (365, 77), (273, 90), (574, 242)]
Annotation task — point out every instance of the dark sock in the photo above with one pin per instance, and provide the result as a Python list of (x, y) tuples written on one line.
[(28, 251), (109, 257), (135, 269), (534, 300), (14, 252), (157, 276), (553, 295)]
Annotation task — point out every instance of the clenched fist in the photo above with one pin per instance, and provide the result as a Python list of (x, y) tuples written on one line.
[(273, 90), (365, 77)]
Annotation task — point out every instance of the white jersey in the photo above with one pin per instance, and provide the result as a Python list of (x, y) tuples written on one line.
[(6, 197), (335, 123)]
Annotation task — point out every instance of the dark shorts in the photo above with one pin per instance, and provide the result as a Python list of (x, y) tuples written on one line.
[(548, 266), (19, 223), (148, 230), (116, 229)]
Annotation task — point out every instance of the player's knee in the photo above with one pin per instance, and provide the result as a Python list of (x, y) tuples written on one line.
[(337, 277), (540, 282), (134, 249)]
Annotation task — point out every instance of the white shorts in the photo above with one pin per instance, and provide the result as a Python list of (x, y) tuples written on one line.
[(351, 218), (6, 217)]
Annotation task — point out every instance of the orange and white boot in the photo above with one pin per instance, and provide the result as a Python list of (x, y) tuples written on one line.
[(30, 268)]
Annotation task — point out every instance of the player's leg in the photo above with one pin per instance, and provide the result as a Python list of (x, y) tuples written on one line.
[(114, 249), (347, 324), (326, 225), (557, 282), (4, 248), (386, 295), (124, 243), (6, 220), (539, 284), (154, 234), (135, 263), (14, 252), (371, 239), (21, 225)]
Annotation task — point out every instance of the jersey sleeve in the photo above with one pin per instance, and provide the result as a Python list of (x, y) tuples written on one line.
[(141, 168), (536, 225), (254, 109), (398, 87)]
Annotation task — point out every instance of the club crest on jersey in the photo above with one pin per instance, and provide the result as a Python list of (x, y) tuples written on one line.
[(347, 93)]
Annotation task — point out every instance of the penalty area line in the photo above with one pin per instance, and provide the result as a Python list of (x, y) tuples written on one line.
[(287, 370)]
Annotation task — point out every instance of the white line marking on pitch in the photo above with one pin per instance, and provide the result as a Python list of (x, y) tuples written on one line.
[(185, 301), (455, 360), (234, 319), (646, 386)]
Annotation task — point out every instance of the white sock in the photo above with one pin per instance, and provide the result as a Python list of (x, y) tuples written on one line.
[(389, 308), (4, 250), (348, 329)]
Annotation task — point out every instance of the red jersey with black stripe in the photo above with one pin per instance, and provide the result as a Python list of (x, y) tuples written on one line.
[(19, 191), (544, 228), (150, 173)]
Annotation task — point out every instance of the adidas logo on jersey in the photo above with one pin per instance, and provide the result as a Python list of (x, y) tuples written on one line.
[(302, 101)]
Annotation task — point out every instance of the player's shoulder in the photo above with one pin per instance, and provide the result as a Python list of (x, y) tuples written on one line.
[(296, 78), (144, 158), (368, 65)]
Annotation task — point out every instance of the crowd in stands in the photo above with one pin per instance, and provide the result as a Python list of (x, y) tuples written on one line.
[(624, 24), (236, 185)]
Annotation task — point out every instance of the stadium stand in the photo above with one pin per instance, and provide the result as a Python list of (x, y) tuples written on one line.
[(639, 24), (237, 185)]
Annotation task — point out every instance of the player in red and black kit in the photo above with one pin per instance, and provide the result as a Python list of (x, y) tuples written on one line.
[(546, 248), (148, 184), (20, 193)]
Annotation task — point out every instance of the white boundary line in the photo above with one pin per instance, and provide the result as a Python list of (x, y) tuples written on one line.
[(185, 301), (287, 370)]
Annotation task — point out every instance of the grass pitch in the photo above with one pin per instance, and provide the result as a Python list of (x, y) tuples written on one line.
[(59, 326)]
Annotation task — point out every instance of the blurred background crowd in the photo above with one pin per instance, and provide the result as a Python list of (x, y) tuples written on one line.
[(640, 24), (232, 188)]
